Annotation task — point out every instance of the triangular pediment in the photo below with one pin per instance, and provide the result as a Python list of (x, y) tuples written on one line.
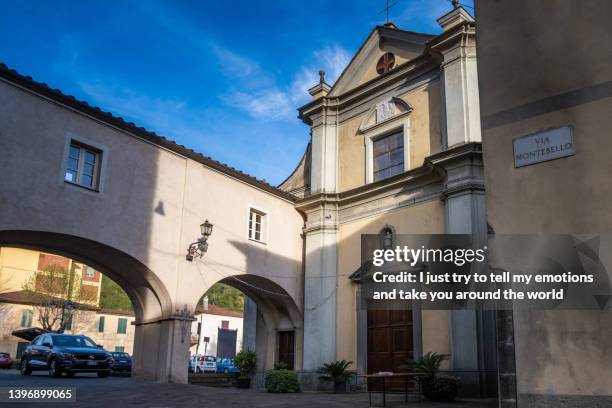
[(404, 45)]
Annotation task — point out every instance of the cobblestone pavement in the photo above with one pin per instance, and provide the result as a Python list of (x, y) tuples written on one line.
[(116, 392)]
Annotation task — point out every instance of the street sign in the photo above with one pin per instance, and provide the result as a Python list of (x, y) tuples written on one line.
[(543, 146)]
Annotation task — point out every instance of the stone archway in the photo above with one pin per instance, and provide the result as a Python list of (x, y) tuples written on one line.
[(152, 304)]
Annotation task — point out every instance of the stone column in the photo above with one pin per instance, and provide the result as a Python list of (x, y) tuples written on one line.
[(249, 324), (161, 349)]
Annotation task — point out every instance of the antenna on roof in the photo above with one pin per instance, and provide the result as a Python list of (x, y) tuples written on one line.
[(386, 9)]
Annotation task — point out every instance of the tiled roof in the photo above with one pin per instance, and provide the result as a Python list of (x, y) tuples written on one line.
[(24, 297), (43, 89), (216, 310), (116, 312)]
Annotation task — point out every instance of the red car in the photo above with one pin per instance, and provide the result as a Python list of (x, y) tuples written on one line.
[(5, 360)]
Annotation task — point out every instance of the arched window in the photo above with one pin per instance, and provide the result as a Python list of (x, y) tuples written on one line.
[(387, 238)]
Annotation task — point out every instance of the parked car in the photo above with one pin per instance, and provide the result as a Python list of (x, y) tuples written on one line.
[(206, 364), (226, 365), (121, 361), (65, 353), (5, 360), (193, 362)]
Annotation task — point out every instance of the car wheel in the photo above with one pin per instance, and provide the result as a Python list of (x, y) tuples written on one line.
[(102, 374), (226, 371), (54, 370), (70, 374), (24, 367)]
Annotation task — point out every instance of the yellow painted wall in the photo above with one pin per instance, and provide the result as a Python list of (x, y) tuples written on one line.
[(426, 218), (425, 137), (17, 266)]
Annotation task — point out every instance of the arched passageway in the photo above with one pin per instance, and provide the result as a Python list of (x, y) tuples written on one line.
[(272, 322), (147, 293)]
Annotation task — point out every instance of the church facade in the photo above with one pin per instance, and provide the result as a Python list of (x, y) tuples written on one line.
[(395, 149)]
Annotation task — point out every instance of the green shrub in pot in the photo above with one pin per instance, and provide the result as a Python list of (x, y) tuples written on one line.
[(281, 381), (435, 387), (246, 361), (336, 372)]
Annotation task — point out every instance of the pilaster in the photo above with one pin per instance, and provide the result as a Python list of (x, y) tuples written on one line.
[(457, 48), (324, 133), (320, 280), (471, 332)]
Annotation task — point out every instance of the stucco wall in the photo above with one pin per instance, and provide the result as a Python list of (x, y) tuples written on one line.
[(136, 229), (425, 138), (425, 218), (541, 65), (150, 204), (210, 325)]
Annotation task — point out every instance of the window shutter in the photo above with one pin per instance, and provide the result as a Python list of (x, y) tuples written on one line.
[(122, 326)]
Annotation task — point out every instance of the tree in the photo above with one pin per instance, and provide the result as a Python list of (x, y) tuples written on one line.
[(57, 297), (225, 296), (113, 297)]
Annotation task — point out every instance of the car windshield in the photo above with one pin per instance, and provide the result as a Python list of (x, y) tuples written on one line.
[(121, 355), (4, 355), (210, 359), (73, 341)]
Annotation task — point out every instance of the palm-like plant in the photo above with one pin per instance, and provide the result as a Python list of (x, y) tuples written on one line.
[(427, 364), (336, 371)]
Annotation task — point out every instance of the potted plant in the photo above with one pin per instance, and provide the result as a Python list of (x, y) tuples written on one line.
[(246, 361), (282, 380), (336, 372), (435, 387)]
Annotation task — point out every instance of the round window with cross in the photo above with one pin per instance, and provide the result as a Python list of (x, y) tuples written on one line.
[(385, 63)]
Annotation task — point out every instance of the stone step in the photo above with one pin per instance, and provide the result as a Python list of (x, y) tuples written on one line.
[(213, 380)]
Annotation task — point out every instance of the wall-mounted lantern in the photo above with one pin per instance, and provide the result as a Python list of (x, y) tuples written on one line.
[(200, 247)]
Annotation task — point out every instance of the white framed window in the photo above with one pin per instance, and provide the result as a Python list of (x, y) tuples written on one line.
[(90, 272), (82, 166), (257, 221)]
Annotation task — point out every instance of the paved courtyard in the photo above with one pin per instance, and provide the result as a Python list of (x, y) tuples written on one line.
[(127, 392)]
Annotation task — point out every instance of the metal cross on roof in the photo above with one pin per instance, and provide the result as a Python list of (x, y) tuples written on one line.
[(386, 9)]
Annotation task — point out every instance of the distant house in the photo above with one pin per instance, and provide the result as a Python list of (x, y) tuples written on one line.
[(217, 330), (110, 328)]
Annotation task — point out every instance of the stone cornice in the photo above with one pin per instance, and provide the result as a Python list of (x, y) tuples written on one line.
[(452, 36), (433, 170)]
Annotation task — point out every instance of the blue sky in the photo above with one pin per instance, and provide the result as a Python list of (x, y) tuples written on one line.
[(222, 77)]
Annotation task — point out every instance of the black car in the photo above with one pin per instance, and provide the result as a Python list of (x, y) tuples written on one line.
[(121, 361), (65, 353)]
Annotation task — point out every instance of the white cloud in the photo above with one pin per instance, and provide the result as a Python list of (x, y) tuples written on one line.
[(157, 112), (267, 105), (263, 98), (332, 59)]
